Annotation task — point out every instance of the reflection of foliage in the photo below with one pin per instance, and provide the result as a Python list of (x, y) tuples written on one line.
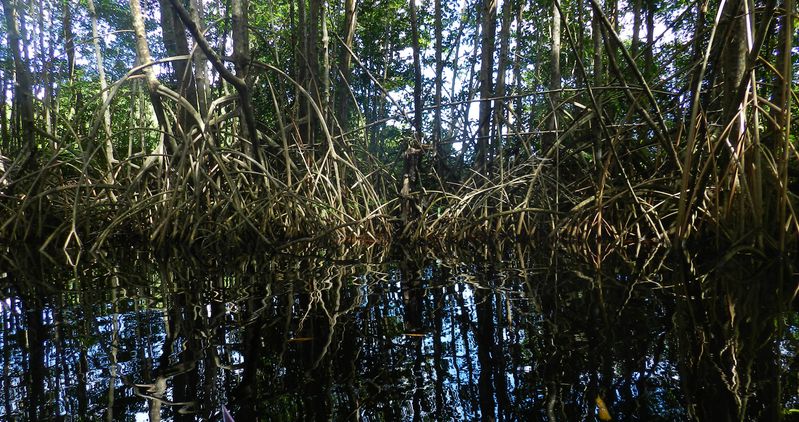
[(284, 337)]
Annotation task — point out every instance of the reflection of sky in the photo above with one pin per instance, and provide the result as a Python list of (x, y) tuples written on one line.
[(393, 374)]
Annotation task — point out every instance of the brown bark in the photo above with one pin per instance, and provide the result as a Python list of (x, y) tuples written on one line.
[(417, 73), (734, 60), (200, 61), (176, 44), (241, 59), (649, 56), (413, 150), (144, 58), (488, 39), (596, 124), (23, 94), (502, 65), (551, 136), (637, 22), (345, 63), (98, 57), (69, 40), (440, 161)]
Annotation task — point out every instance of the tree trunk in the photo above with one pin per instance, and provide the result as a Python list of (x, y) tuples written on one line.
[(417, 74), (413, 150), (324, 72), (440, 153), (488, 39), (637, 21), (734, 63), (241, 62), (551, 136), (98, 56), (45, 75), (176, 44), (200, 61), (5, 135), (499, 103), (517, 71), (144, 58), (649, 55), (311, 63), (345, 63), (23, 94), (596, 35)]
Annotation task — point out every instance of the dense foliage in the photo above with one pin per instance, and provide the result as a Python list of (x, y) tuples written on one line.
[(218, 124)]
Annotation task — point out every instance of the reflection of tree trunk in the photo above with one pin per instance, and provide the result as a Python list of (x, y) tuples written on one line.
[(185, 382), (438, 362), (500, 367), (36, 364), (8, 323), (247, 391), (485, 344), (112, 369)]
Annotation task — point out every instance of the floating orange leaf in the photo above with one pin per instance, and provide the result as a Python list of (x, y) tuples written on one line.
[(602, 410)]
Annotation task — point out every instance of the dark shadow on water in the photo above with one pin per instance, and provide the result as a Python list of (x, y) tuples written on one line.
[(500, 334)]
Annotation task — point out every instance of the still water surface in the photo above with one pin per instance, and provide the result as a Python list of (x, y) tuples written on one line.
[(495, 334)]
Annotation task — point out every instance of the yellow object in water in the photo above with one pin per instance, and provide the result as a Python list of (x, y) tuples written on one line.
[(602, 410)]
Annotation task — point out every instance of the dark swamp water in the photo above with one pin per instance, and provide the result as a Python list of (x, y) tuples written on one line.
[(507, 333)]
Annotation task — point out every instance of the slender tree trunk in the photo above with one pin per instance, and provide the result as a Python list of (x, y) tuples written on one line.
[(440, 153), (734, 64), (241, 61), (517, 70), (554, 81), (596, 35), (69, 40), (46, 74), (311, 63), (5, 135), (23, 93), (345, 63), (200, 61), (176, 44), (98, 56), (649, 55), (417, 74), (780, 81), (488, 40), (324, 72), (502, 66), (637, 22), (413, 150), (144, 58)]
